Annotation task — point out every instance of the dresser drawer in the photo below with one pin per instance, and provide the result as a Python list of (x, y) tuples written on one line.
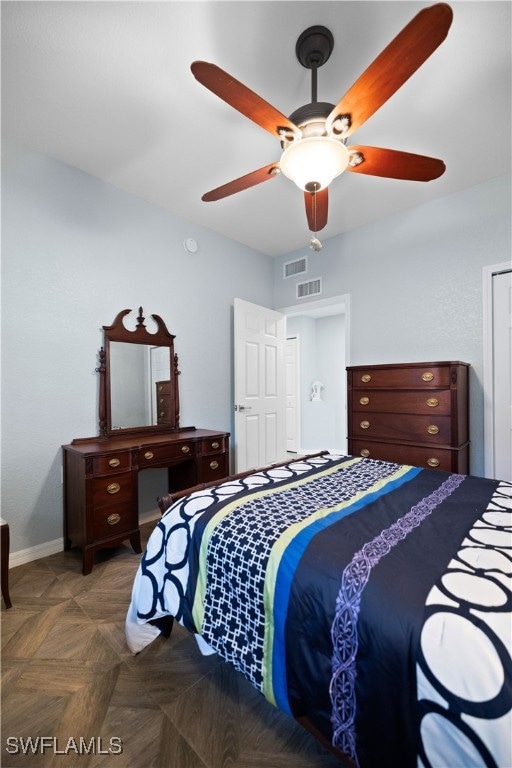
[(112, 489), (451, 460), (213, 467), (163, 408), (113, 520), (408, 377), (111, 462), (214, 445), (434, 401), (157, 454), (163, 387), (412, 428)]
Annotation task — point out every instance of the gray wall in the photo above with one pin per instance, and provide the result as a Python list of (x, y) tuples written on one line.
[(415, 282), (76, 251)]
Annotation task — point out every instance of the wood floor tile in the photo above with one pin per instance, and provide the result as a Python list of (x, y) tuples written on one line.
[(31, 634), (132, 692), (12, 620), (69, 639), (174, 750), (139, 733), (21, 720), (34, 583), (113, 633)]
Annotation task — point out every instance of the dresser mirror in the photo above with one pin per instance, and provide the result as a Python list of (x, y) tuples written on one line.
[(138, 378)]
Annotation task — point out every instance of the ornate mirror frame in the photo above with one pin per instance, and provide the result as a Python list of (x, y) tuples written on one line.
[(117, 332)]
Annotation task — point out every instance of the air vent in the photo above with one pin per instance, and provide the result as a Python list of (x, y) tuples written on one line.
[(293, 268), (311, 288)]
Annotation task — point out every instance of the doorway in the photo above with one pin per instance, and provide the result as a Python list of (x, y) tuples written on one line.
[(497, 292), (322, 332)]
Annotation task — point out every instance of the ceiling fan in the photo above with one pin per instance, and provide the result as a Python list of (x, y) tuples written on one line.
[(314, 136)]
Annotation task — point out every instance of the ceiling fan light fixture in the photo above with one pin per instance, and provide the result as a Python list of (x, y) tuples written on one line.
[(312, 163)]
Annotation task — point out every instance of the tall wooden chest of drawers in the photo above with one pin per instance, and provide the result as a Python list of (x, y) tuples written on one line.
[(411, 413)]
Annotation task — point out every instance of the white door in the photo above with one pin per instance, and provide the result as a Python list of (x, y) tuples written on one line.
[(502, 374), (292, 394), (260, 405)]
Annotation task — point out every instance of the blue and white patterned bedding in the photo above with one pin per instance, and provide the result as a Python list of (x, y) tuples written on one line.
[(372, 599)]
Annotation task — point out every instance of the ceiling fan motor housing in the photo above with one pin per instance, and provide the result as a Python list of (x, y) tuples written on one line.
[(310, 118), (316, 111)]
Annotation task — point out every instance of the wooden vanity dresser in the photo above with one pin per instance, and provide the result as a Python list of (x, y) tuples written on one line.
[(100, 474), (411, 413), (101, 482)]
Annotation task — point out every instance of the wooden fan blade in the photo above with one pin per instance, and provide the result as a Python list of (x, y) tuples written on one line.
[(237, 95), (317, 207), (391, 69), (244, 182), (395, 164)]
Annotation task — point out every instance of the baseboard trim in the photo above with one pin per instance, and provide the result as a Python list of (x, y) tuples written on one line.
[(30, 554), (23, 556), (149, 516)]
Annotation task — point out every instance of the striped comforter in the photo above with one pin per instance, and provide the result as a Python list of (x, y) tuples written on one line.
[(356, 593)]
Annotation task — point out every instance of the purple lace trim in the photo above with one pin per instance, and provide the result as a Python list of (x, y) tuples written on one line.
[(344, 627)]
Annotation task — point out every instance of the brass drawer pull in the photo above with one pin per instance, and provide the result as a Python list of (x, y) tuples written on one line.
[(432, 402), (366, 378), (113, 519), (427, 376), (161, 414), (214, 464), (364, 400), (364, 424), (432, 429), (149, 455), (215, 444), (160, 387), (114, 462), (365, 452), (162, 400), (433, 462), (113, 488), (185, 448)]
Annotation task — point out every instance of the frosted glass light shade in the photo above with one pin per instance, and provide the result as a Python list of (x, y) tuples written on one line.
[(312, 163)]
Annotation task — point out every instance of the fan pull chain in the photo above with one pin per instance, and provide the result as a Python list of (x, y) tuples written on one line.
[(315, 243)]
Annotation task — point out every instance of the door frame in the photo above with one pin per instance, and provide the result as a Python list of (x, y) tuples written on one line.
[(296, 339), (488, 366), (335, 305)]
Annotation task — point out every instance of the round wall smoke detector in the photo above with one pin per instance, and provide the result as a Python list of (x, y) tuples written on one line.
[(190, 245)]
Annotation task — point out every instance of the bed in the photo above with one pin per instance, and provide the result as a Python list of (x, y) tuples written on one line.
[(369, 600)]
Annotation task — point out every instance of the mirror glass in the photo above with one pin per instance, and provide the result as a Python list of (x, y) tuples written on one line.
[(138, 378), (136, 370)]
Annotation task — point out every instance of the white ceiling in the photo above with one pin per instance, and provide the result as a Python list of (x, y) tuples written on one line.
[(106, 87)]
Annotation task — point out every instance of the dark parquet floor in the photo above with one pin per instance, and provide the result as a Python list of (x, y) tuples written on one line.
[(69, 679)]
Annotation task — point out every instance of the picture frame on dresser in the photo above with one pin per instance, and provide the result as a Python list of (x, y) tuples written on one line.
[(100, 474), (411, 413)]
